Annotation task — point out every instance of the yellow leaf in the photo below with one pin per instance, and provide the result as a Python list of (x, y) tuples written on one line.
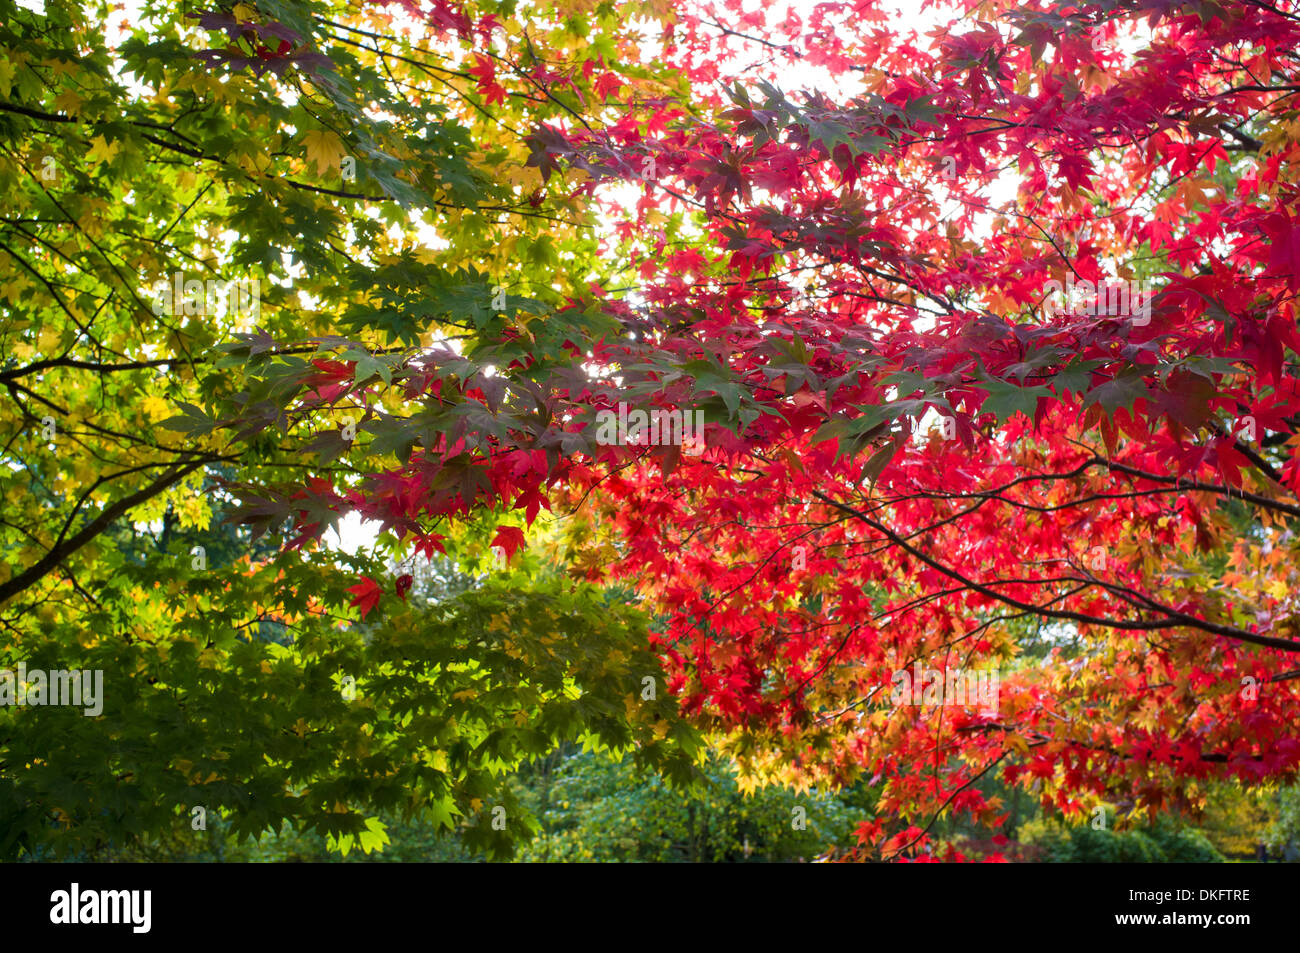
[(93, 218), (325, 149), (13, 290), (1017, 744), (48, 341), (156, 407), (69, 102), (101, 150), (527, 177), (194, 511)]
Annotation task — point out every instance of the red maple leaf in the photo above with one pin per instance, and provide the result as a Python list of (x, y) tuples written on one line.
[(1284, 241), (367, 593), (485, 71), (530, 500), (427, 543), (608, 84), (510, 539)]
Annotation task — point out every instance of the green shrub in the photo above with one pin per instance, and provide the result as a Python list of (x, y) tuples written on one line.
[(1164, 842)]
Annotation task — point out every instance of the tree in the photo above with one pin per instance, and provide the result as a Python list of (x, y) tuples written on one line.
[(1119, 471), (1065, 400), (600, 810), (1161, 843), (179, 192), (993, 346)]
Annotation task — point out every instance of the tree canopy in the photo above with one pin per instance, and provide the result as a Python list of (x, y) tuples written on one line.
[(727, 364)]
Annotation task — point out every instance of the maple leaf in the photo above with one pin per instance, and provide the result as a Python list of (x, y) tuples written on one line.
[(1006, 400), (69, 102), (429, 543), (531, 499), (608, 84), (510, 539), (485, 71), (101, 150), (367, 593), (324, 149), (1284, 253)]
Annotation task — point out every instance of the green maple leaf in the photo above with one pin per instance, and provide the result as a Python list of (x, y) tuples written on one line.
[(1075, 378), (1122, 391), (1005, 400)]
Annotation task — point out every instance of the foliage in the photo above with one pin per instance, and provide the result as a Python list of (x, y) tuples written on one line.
[(1283, 835), (261, 733), (1161, 843), (448, 242), (1236, 818), (598, 810), (175, 182)]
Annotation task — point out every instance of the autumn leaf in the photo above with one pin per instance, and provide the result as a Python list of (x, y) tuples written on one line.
[(324, 149), (366, 595), (510, 539), (102, 150)]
